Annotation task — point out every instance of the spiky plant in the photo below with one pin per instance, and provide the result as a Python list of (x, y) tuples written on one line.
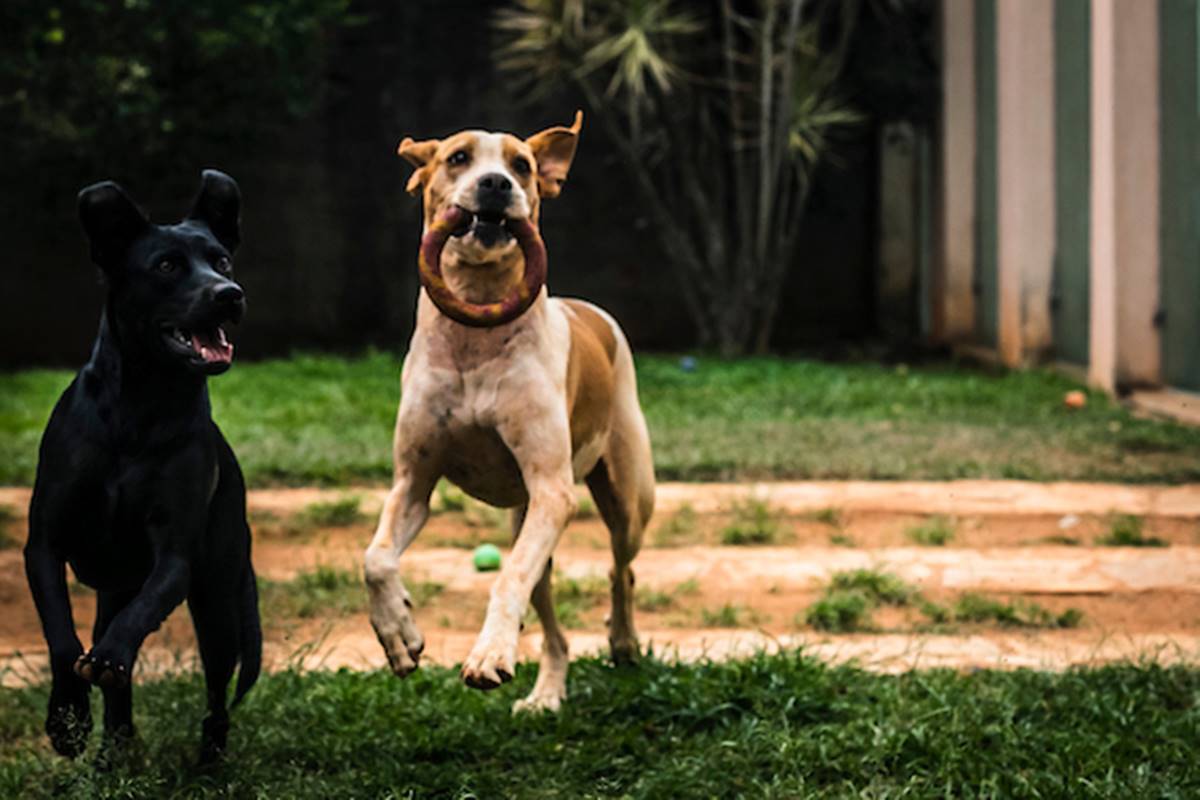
[(720, 111)]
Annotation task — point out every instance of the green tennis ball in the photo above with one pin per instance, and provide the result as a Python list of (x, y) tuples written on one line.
[(486, 558)]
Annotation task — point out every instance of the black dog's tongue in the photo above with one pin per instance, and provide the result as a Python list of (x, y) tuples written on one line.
[(212, 346)]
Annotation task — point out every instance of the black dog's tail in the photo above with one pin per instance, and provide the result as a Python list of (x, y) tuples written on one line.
[(251, 636)]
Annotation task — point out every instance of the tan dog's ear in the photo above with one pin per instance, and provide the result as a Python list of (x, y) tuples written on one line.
[(419, 154), (554, 149)]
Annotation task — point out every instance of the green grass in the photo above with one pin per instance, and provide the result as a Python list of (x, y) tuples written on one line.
[(1125, 530), (840, 611), (679, 528), (976, 608), (496, 523), (448, 498), (937, 531), (882, 587), (770, 726), (826, 516), (339, 513), (727, 615), (328, 420), (654, 600), (485, 524), (324, 591), (842, 540), (754, 522), (574, 597), (850, 597), (789, 418), (586, 509), (327, 592), (8, 538), (1061, 539)]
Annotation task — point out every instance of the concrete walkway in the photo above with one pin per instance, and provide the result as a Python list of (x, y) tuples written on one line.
[(1034, 570), (798, 497)]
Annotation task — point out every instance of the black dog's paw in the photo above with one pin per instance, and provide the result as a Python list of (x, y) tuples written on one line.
[(107, 672), (69, 722), (213, 735), (120, 746)]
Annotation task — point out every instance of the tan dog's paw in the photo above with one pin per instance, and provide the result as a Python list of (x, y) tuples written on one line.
[(403, 660), (403, 652), (540, 701), (624, 650), (489, 666)]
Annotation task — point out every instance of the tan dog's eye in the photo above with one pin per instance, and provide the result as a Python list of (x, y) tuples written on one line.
[(521, 166), (458, 158)]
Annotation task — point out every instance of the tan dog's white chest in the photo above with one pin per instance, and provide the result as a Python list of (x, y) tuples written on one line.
[(458, 389)]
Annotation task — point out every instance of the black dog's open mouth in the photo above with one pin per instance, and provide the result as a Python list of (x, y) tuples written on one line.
[(489, 227), (207, 345)]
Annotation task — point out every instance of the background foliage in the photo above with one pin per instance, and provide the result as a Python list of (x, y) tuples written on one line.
[(304, 101), (170, 77)]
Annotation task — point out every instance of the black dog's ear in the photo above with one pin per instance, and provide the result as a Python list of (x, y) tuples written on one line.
[(111, 221), (219, 206)]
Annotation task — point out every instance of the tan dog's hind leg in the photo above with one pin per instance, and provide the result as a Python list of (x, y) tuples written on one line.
[(622, 484), (404, 513), (551, 687), (543, 450)]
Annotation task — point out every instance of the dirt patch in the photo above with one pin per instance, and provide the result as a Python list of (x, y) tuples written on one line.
[(699, 597)]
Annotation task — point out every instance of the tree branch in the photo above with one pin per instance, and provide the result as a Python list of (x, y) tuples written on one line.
[(766, 98)]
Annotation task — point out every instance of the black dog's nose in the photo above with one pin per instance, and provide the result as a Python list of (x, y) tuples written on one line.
[(230, 298), (229, 293)]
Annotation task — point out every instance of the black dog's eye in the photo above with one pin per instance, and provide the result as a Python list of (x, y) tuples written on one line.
[(521, 166), (165, 266), (224, 265), (458, 158)]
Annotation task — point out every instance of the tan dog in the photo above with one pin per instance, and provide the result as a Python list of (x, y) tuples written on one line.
[(513, 414)]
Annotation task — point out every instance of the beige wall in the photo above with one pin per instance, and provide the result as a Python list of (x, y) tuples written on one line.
[(954, 301), (1124, 203), (1025, 152), (1125, 347)]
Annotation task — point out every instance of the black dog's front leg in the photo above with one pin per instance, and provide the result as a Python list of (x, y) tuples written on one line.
[(110, 661), (69, 720)]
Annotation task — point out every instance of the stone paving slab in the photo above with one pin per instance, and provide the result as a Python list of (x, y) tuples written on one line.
[(949, 497), (1042, 570), (797, 497)]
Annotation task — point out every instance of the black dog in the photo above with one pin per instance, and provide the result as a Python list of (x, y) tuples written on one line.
[(136, 487)]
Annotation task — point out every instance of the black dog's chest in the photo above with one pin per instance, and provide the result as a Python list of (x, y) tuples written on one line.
[(113, 550)]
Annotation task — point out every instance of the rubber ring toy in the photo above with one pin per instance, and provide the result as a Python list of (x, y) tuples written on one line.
[(481, 315)]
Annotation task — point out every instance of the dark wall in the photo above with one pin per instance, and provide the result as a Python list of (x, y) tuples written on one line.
[(330, 235)]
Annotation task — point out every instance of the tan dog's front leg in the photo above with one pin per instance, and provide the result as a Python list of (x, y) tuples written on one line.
[(551, 503), (404, 513)]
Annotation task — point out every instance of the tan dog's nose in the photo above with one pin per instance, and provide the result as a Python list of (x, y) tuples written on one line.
[(493, 192), (495, 181)]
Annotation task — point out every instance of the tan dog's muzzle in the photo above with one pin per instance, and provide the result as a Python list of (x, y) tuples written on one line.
[(481, 315)]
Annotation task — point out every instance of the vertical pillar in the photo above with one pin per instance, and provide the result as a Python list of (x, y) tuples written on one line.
[(1125, 349), (1025, 147), (953, 301)]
